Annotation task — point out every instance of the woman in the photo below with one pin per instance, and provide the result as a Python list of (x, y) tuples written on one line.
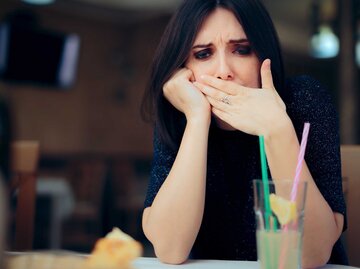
[(217, 83)]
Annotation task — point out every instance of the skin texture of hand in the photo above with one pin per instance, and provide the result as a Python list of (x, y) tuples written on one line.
[(184, 96), (253, 111)]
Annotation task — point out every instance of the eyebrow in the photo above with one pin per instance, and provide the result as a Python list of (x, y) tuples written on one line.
[(231, 41)]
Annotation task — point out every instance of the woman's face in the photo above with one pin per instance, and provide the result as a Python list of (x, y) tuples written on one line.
[(221, 49)]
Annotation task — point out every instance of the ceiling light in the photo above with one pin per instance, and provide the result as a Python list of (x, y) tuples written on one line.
[(357, 45), (39, 2), (324, 44), (357, 51)]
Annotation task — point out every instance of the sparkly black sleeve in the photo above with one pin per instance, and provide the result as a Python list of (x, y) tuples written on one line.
[(163, 160), (310, 102)]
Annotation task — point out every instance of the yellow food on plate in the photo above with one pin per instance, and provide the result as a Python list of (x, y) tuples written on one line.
[(115, 251), (284, 210)]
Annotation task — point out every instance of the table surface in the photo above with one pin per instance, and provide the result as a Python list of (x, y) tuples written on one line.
[(152, 263)]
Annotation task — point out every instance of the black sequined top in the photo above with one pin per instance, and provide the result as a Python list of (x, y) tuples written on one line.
[(228, 226)]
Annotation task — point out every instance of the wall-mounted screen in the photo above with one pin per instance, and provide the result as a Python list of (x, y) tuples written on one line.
[(38, 56)]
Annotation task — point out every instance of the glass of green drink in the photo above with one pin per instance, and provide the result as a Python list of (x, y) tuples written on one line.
[(279, 212)]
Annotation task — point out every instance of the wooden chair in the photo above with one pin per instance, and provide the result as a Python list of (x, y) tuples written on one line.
[(24, 162), (3, 220), (87, 177), (350, 163)]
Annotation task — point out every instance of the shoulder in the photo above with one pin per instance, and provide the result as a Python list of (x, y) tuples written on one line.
[(305, 88), (308, 99)]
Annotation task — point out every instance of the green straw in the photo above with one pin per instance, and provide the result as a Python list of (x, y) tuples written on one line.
[(265, 180)]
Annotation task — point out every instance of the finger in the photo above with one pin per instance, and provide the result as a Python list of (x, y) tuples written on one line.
[(217, 104), (267, 80), (266, 75), (188, 74), (210, 91), (228, 87)]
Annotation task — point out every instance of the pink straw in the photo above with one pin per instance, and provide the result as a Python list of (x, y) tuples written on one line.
[(295, 186), (300, 161)]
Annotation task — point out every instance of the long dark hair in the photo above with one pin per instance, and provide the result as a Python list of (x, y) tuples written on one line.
[(175, 45)]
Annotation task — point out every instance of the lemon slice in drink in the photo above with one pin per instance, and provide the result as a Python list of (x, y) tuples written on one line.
[(284, 210)]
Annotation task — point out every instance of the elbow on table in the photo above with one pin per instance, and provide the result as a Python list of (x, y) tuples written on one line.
[(171, 255), (318, 259)]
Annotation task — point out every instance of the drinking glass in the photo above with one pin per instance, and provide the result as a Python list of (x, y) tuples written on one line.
[(279, 217)]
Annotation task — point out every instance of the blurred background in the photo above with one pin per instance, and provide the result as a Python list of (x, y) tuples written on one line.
[(72, 75)]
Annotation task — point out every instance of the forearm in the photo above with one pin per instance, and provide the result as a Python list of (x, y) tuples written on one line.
[(173, 221), (320, 227)]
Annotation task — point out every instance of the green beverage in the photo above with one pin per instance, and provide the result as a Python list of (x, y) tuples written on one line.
[(279, 248)]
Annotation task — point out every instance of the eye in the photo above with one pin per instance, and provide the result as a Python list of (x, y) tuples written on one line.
[(202, 54), (242, 50)]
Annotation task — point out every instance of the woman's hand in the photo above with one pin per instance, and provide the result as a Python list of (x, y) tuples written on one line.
[(253, 111), (180, 91)]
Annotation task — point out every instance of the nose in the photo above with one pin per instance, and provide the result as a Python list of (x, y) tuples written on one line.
[(224, 70)]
